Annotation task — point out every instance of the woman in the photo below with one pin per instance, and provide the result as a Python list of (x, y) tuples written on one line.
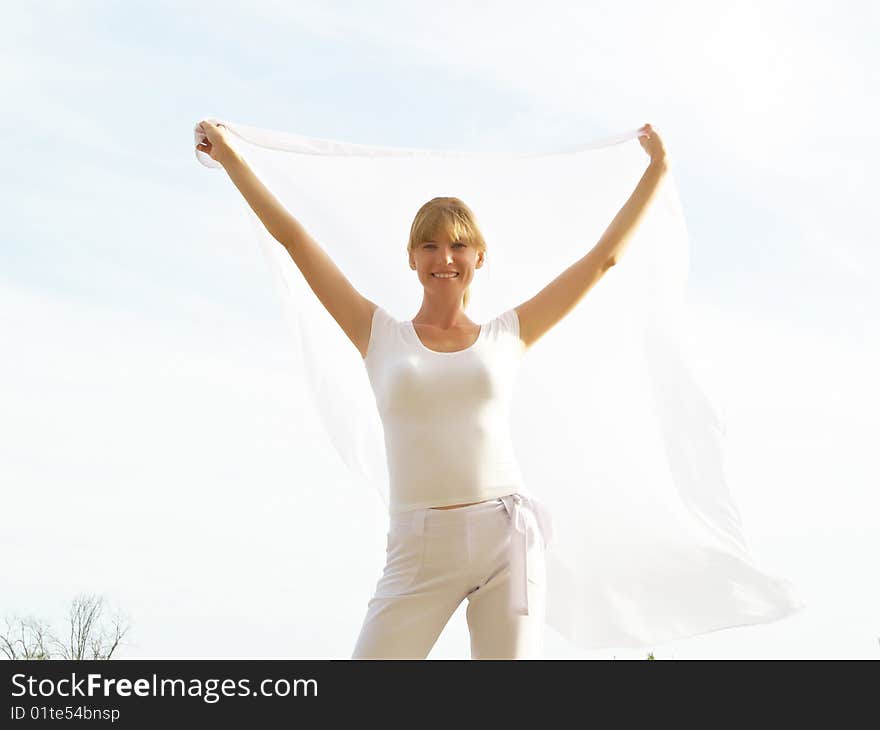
[(463, 524)]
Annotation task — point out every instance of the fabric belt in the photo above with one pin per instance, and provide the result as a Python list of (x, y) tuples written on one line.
[(529, 521)]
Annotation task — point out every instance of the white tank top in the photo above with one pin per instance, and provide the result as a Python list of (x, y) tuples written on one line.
[(446, 415)]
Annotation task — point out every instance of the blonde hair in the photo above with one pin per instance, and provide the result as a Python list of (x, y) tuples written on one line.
[(451, 216)]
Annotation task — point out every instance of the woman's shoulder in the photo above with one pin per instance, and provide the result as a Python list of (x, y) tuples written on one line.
[(506, 329), (508, 321), (509, 317), (383, 327), (384, 317)]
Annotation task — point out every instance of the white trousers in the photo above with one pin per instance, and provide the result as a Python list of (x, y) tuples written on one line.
[(492, 553)]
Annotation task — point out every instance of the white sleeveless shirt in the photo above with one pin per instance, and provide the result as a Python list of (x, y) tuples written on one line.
[(446, 415)]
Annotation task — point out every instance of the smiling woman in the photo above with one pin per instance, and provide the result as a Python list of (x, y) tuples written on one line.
[(639, 551)]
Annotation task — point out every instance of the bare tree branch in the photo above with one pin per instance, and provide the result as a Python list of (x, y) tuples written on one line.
[(87, 635), (31, 642)]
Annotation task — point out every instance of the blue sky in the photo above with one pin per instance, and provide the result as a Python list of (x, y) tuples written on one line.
[(124, 291)]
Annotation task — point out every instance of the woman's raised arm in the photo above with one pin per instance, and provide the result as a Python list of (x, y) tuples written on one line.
[(544, 310), (352, 311)]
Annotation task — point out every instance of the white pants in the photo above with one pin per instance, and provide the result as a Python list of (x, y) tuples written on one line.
[(492, 553)]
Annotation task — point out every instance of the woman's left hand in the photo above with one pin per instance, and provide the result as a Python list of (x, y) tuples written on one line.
[(651, 143)]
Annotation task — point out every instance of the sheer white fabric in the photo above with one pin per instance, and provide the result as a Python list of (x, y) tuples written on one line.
[(612, 432)]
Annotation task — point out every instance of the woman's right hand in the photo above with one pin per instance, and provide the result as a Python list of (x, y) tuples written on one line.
[(217, 145)]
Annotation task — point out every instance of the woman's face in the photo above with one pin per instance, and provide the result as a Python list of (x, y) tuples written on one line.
[(443, 255)]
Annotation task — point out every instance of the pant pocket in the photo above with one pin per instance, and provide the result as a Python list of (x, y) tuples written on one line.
[(404, 557)]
